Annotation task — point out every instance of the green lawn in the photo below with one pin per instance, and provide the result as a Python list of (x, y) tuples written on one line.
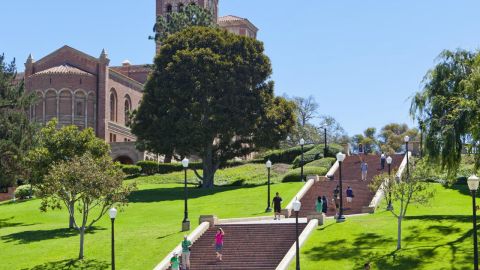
[(248, 174), (435, 237), (145, 231)]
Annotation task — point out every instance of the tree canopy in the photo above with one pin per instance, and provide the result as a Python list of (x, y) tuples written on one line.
[(391, 137), (16, 131), (210, 95), (448, 108), (191, 15)]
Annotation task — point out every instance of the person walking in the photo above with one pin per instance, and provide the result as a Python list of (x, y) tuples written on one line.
[(324, 205), (364, 169), (336, 199), (174, 263), (277, 206), (319, 205), (186, 245), (219, 243), (383, 158), (349, 195)]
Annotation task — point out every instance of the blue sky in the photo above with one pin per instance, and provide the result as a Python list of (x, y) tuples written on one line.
[(361, 60)]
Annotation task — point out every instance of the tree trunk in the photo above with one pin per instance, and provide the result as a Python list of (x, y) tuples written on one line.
[(168, 158), (82, 238), (399, 236), (208, 168), (71, 216)]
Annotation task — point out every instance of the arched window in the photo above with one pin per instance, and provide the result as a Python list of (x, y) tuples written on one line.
[(180, 7), (113, 105), (169, 8), (127, 109)]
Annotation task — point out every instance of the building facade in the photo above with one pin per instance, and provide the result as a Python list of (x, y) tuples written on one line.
[(83, 90)]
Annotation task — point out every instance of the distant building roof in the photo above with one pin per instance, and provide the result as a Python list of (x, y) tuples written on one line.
[(63, 70), (231, 20)]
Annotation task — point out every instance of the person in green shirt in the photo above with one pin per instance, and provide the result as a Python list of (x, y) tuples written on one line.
[(186, 245), (319, 205), (174, 263)]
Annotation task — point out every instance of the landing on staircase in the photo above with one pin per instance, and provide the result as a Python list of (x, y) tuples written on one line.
[(255, 245)]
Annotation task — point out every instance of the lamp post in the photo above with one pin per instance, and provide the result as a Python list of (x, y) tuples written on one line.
[(325, 149), (389, 163), (296, 207), (269, 166), (340, 158), (407, 139), (473, 186), (113, 215), (302, 143), (185, 222)]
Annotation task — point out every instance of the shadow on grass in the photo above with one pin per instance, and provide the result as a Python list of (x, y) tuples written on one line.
[(420, 245), (7, 222), (26, 237), (176, 193), (72, 264)]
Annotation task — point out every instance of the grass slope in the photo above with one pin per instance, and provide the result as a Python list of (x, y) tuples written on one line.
[(435, 237), (145, 231)]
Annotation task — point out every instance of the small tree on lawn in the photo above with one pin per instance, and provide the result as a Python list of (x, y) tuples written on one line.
[(55, 145), (405, 191), (94, 184)]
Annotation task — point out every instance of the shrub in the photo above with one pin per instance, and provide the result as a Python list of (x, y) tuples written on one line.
[(317, 153), (23, 192), (324, 163), (286, 155), (294, 175), (131, 169), (148, 167)]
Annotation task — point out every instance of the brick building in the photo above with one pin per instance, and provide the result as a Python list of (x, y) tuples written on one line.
[(83, 90)]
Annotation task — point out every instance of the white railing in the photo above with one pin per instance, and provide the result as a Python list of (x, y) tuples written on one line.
[(285, 263), (380, 194), (194, 236)]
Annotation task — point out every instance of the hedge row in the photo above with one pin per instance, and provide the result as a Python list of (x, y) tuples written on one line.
[(294, 175), (324, 162), (286, 155), (316, 153), (152, 167), (131, 170), (23, 192)]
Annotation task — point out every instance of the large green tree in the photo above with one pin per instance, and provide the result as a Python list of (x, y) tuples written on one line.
[(64, 144), (448, 106), (209, 95), (391, 137), (16, 131)]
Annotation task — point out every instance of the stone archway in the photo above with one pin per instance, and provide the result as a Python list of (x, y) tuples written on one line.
[(124, 160)]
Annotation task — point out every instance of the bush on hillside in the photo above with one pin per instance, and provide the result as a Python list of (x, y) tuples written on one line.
[(324, 163), (317, 153), (131, 170), (148, 167), (294, 175), (23, 192), (286, 155)]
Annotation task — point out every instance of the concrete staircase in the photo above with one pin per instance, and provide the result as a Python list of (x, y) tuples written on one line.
[(351, 176), (246, 246)]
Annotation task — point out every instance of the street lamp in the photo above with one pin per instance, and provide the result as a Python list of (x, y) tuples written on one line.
[(407, 139), (473, 186), (340, 158), (325, 148), (185, 222), (296, 207), (269, 166), (113, 215), (302, 143), (389, 163)]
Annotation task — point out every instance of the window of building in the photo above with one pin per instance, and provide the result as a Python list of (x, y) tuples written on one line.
[(113, 105), (180, 7), (127, 109), (113, 137), (79, 108)]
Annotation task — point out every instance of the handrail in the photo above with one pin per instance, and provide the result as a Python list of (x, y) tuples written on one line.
[(194, 236)]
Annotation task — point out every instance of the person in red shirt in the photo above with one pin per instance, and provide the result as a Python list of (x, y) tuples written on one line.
[(219, 243)]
